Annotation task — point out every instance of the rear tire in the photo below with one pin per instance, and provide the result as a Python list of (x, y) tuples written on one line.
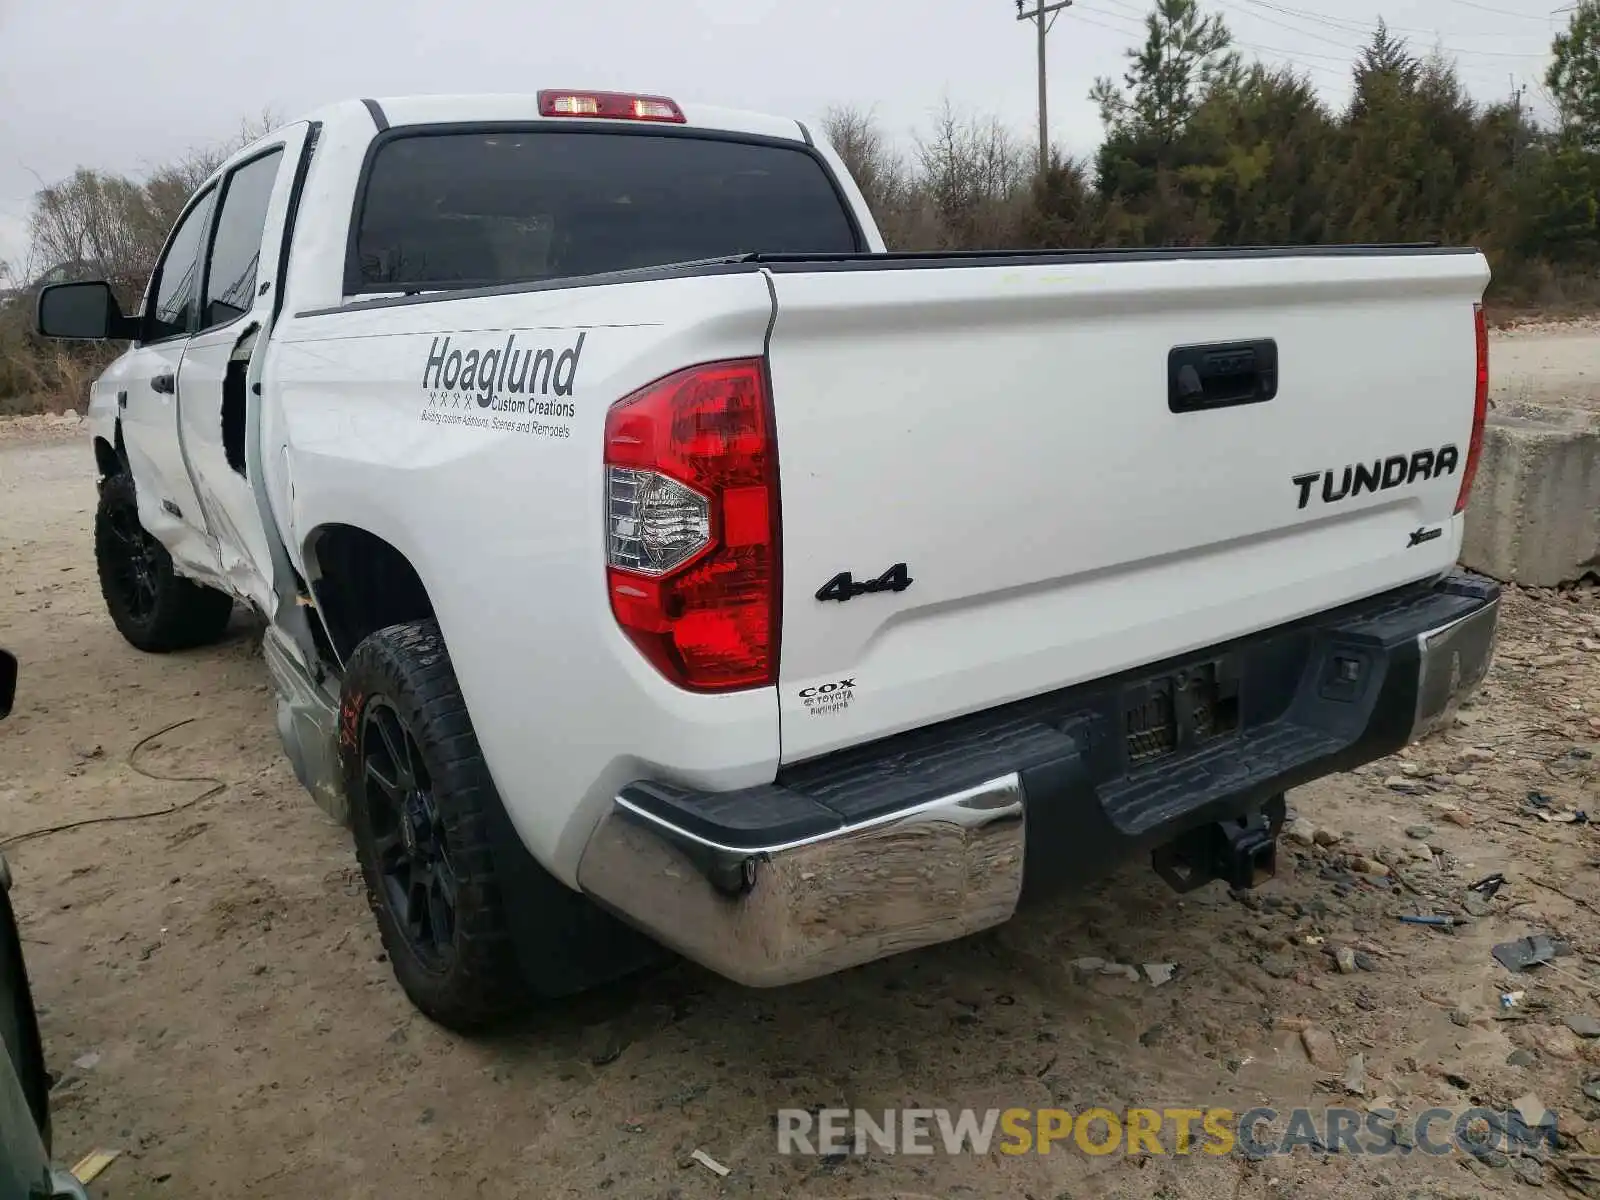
[(153, 607), (419, 790)]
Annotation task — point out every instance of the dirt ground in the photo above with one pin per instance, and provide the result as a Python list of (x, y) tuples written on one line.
[(217, 1007), (1556, 364)]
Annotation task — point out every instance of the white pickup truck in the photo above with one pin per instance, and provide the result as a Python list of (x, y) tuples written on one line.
[(650, 559)]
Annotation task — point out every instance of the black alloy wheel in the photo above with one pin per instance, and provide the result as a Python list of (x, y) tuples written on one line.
[(409, 841), (155, 608), (134, 563)]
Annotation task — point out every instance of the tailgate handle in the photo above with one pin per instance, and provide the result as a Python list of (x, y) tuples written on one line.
[(1221, 375)]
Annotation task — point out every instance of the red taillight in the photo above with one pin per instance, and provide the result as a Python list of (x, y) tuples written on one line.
[(692, 525), (1480, 410), (610, 106)]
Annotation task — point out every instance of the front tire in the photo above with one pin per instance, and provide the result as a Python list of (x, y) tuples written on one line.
[(153, 607), (419, 791)]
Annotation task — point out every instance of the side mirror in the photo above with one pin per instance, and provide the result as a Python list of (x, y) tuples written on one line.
[(84, 311), (8, 682)]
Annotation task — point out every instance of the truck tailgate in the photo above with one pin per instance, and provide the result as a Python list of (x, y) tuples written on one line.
[(1066, 499)]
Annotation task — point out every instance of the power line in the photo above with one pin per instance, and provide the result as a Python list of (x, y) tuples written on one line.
[(1255, 45), (1342, 29), (1365, 28), (1499, 11), (1332, 58), (1293, 28), (1352, 48), (1293, 58), (1139, 13), (1290, 55)]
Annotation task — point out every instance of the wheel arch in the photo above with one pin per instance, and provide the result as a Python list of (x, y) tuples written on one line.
[(110, 458), (362, 583)]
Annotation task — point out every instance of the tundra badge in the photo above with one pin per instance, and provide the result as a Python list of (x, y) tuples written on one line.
[(1379, 475)]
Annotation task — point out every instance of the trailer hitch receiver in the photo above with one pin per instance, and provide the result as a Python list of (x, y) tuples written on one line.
[(1242, 852)]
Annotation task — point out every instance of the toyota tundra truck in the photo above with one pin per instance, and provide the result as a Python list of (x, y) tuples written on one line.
[(652, 562)]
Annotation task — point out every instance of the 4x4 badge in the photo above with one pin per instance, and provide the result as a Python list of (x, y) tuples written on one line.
[(843, 586)]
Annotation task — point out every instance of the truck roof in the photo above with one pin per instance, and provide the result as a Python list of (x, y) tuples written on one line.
[(524, 106)]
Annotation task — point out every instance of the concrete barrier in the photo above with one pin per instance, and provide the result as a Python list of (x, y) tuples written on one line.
[(1535, 512)]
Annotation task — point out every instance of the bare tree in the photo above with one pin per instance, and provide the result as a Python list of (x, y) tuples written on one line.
[(94, 222), (114, 227), (975, 175), (105, 225), (872, 162)]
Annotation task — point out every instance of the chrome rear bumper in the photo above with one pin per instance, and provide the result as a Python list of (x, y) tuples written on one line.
[(779, 914), (1453, 661)]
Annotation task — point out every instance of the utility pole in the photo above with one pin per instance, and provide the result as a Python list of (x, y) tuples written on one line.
[(1517, 91), (1044, 16)]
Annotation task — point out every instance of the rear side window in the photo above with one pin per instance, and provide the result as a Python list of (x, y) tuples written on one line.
[(475, 209), (236, 245)]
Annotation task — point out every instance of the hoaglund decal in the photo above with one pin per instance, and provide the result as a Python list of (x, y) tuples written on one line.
[(514, 380), (1379, 475)]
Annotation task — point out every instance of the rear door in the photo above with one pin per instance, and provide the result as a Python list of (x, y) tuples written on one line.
[(219, 411), (992, 486)]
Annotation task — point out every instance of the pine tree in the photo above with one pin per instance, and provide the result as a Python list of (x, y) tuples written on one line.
[(1182, 52), (1574, 76)]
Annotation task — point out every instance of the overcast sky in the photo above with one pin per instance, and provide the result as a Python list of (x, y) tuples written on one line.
[(124, 84)]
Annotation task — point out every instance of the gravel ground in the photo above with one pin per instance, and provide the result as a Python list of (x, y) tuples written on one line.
[(217, 1006), (1547, 363)]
